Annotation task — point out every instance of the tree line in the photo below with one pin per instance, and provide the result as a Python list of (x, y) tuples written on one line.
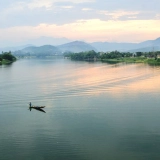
[(7, 56), (91, 55)]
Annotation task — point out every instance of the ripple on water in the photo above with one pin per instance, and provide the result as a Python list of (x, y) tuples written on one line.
[(75, 126), (81, 81)]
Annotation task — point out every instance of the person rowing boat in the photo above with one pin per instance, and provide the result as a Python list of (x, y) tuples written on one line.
[(36, 107)]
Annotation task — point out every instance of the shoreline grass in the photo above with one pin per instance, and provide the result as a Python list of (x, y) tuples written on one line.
[(133, 60)]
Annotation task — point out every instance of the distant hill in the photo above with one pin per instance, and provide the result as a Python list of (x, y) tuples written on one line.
[(76, 46), (146, 49), (156, 42), (46, 50), (146, 46), (111, 46), (7, 49), (80, 46)]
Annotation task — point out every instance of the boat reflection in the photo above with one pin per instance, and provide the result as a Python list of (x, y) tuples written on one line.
[(38, 108)]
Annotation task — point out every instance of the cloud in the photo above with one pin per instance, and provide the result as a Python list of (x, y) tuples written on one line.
[(89, 30), (35, 4), (50, 3), (76, 1), (119, 13), (41, 11), (86, 9), (13, 8), (36, 12), (39, 3), (157, 16), (67, 7), (90, 20)]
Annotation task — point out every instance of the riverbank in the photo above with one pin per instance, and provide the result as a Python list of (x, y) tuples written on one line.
[(7, 58), (117, 57), (150, 61)]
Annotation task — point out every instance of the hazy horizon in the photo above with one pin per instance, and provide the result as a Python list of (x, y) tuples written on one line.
[(52, 41)]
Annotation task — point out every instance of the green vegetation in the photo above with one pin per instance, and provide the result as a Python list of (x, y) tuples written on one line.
[(83, 56), (6, 58), (117, 57)]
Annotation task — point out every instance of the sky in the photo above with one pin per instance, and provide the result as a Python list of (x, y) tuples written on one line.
[(87, 20)]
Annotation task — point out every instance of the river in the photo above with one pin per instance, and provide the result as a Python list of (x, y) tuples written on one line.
[(94, 110)]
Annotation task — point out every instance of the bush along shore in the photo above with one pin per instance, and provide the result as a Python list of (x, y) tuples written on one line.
[(152, 58), (7, 58)]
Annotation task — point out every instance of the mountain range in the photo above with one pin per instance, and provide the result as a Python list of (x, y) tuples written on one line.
[(145, 46), (48, 50), (75, 47), (79, 46)]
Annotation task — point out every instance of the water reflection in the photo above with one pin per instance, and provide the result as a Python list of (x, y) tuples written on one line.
[(37, 108), (98, 79), (85, 117), (6, 65)]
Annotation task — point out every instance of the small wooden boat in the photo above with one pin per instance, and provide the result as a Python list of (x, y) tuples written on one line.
[(36, 107), (39, 108)]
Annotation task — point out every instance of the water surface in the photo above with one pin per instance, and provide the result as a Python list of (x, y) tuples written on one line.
[(93, 110)]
